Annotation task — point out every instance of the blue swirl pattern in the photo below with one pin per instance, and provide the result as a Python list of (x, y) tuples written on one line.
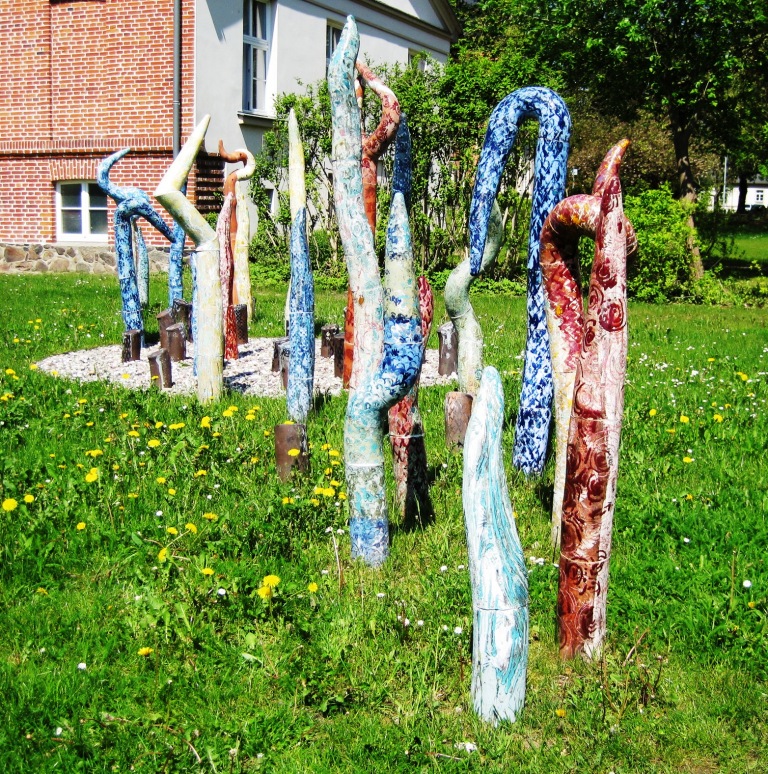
[(535, 414)]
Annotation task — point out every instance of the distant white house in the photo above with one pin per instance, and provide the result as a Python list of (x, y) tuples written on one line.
[(249, 51), (757, 196)]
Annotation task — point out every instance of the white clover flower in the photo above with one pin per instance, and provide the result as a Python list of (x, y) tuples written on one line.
[(420, 622), (222, 592), (444, 568), (381, 595), (747, 584), (82, 665), (458, 630)]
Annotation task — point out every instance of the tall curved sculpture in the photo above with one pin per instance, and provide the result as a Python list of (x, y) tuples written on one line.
[(226, 277), (209, 340), (132, 203), (535, 413), (593, 439), (240, 224), (571, 219), (460, 310), (496, 564), (373, 147), (388, 345), (175, 261)]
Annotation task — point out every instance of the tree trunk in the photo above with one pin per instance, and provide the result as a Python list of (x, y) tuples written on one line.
[(681, 136), (742, 205)]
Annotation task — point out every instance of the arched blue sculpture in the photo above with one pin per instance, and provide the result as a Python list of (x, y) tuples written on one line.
[(535, 414), (132, 203), (496, 564), (175, 260), (388, 341), (301, 367)]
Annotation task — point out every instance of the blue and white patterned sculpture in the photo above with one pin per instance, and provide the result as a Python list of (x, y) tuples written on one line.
[(301, 366), (496, 563), (132, 203), (175, 261), (388, 342), (535, 414)]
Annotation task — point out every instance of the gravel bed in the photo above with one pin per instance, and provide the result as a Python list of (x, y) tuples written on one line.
[(250, 374)]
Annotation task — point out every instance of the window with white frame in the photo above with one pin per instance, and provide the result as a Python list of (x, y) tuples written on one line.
[(257, 21), (759, 196), (332, 37), (81, 211)]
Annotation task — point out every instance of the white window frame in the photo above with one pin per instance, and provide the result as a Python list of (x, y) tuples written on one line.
[(261, 44), (85, 208), (759, 194), (332, 37)]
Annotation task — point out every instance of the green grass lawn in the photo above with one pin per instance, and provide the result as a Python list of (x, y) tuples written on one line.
[(753, 247), (135, 637)]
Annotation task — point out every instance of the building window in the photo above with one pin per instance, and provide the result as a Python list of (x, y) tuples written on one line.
[(759, 196), (256, 44), (81, 211), (332, 37)]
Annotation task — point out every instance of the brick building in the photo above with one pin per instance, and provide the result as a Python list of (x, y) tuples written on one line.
[(84, 78)]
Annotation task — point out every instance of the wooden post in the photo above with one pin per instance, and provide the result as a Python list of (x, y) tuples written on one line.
[(160, 369), (288, 438), (131, 346), (458, 409)]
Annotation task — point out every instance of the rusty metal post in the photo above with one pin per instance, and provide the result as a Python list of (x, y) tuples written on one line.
[(164, 319), (131, 345), (448, 341), (160, 368), (285, 364), (182, 314), (241, 322), (327, 333), (290, 438), (338, 355), (279, 343), (458, 408), (177, 344)]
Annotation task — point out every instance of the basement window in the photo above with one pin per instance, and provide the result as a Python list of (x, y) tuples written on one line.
[(81, 211)]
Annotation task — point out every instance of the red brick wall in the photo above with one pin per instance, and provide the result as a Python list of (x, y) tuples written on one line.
[(81, 79)]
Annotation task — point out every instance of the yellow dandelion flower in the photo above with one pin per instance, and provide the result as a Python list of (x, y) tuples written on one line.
[(94, 453), (671, 430), (123, 415), (271, 581), (171, 491), (92, 475), (145, 651), (33, 366), (333, 482), (159, 424), (89, 424), (9, 504), (250, 417), (217, 434), (265, 592), (717, 417), (232, 408), (200, 473), (210, 516), (128, 376), (132, 495), (41, 590), (687, 460), (312, 587), (742, 376), (190, 527), (160, 479), (689, 497), (133, 433), (205, 422), (335, 462), (153, 443), (227, 413), (652, 413), (342, 495), (293, 452), (81, 401), (162, 555), (329, 492), (684, 419), (28, 498), (325, 446), (176, 426), (172, 530), (710, 360), (314, 501), (318, 490), (266, 433), (333, 453), (328, 471), (207, 571), (560, 712), (10, 371), (80, 526)]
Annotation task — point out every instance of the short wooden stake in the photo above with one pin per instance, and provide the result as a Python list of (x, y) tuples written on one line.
[(290, 438), (458, 408), (160, 368), (131, 346)]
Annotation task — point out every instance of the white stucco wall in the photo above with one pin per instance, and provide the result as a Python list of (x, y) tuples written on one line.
[(297, 53)]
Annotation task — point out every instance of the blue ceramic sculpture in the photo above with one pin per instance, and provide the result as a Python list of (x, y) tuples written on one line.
[(132, 203), (175, 261), (301, 366), (496, 564), (388, 345), (535, 414)]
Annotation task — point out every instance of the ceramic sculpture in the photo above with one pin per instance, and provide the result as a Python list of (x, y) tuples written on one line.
[(240, 224), (593, 439), (535, 414), (226, 277), (373, 147), (301, 331), (208, 335), (175, 261), (496, 564), (571, 219), (132, 203), (406, 429), (459, 308), (388, 346)]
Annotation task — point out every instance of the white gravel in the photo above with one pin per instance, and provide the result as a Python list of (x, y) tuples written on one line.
[(250, 374)]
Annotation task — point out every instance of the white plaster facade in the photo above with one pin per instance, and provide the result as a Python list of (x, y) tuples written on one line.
[(390, 31)]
